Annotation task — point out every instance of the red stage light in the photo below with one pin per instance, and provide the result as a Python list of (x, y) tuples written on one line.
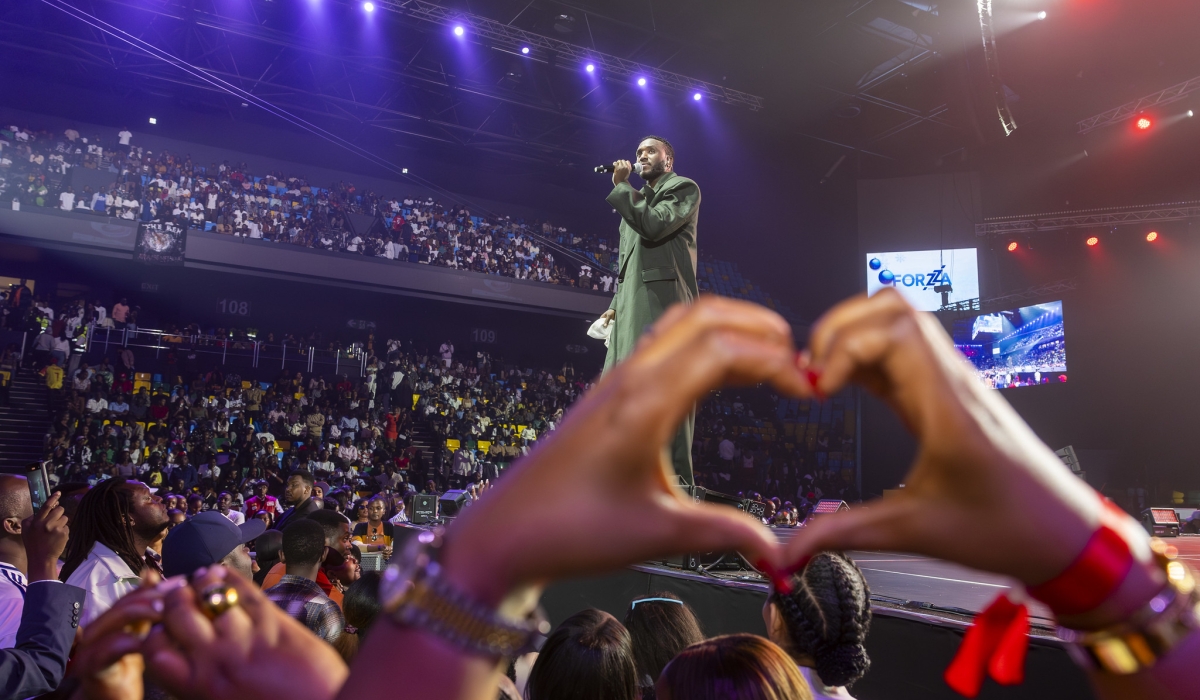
[(1144, 123), (1013, 246), (1152, 236), (1092, 240)]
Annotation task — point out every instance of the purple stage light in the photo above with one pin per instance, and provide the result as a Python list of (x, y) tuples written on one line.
[(591, 68), (641, 82), (369, 6), (697, 96), (459, 31), (525, 49)]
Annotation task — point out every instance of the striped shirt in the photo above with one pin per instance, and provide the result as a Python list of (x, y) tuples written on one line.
[(304, 600), (12, 603)]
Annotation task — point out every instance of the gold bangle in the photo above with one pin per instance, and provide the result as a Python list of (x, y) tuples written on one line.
[(1151, 632)]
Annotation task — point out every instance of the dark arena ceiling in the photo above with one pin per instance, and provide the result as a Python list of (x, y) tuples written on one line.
[(894, 86)]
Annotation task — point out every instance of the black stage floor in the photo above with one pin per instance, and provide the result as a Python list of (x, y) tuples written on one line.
[(914, 578)]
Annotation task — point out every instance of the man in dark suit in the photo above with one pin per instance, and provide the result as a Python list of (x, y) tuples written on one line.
[(657, 260), (50, 614), (298, 493)]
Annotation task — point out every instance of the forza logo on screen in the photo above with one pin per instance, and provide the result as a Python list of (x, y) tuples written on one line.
[(935, 278), (918, 274)]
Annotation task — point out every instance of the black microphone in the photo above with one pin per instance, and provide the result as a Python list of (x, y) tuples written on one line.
[(637, 168)]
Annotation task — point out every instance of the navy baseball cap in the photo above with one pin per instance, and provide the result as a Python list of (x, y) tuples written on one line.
[(205, 540)]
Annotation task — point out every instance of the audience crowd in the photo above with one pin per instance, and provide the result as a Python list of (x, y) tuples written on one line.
[(265, 589), (36, 171), (475, 413)]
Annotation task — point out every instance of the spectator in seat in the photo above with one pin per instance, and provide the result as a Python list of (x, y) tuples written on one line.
[(823, 623), (207, 539), (743, 666), (297, 593), (116, 523), (261, 501), (660, 626), (299, 495), (225, 507), (588, 657), (376, 534)]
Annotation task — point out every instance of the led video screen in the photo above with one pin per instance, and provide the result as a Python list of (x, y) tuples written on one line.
[(922, 276), (1021, 347)]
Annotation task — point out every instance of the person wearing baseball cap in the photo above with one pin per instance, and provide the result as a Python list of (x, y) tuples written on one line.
[(210, 538)]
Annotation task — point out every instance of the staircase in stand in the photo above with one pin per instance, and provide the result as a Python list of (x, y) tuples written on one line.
[(24, 421)]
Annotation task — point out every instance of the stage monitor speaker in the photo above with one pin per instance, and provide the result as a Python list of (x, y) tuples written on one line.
[(451, 503), (717, 561), (424, 509), (830, 505), (1161, 522)]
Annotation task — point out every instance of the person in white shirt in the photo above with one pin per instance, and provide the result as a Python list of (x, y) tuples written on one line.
[(115, 524), (123, 137), (225, 507), (67, 199), (209, 471)]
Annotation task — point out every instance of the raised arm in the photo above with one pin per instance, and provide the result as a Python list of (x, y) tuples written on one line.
[(654, 223)]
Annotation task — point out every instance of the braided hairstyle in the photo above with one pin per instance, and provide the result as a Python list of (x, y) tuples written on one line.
[(827, 616), (104, 515)]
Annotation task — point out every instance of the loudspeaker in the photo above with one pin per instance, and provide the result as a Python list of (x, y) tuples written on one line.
[(717, 561), (452, 502), (424, 509), (830, 505), (1161, 522)]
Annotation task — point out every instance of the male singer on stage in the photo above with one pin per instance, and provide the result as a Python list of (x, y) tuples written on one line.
[(657, 265)]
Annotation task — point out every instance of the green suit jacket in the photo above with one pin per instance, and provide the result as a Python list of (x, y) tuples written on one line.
[(657, 259)]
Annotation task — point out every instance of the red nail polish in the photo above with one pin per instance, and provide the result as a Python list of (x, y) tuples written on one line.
[(813, 377)]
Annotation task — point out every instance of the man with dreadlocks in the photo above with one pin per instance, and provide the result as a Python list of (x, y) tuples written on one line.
[(111, 534)]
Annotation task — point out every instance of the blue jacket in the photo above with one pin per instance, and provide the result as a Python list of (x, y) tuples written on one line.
[(37, 663)]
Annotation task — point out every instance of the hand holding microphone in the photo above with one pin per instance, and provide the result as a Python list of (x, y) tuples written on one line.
[(620, 170)]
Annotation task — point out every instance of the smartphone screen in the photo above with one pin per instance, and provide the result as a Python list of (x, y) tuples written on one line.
[(39, 484)]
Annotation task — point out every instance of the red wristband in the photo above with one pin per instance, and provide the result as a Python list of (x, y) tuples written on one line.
[(1094, 575)]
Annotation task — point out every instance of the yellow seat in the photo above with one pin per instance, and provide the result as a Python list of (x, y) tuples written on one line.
[(245, 384), (453, 444)]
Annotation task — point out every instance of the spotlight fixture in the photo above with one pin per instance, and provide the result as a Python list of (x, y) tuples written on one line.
[(459, 31), (641, 82), (369, 6), (1152, 236), (1012, 247), (1041, 15), (525, 49), (1190, 113), (591, 68), (153, 120), (1144, 123), (1092, 241), (697, 96)]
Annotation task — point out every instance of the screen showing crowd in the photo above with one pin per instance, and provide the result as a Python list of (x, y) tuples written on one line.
[(1019, 347)]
